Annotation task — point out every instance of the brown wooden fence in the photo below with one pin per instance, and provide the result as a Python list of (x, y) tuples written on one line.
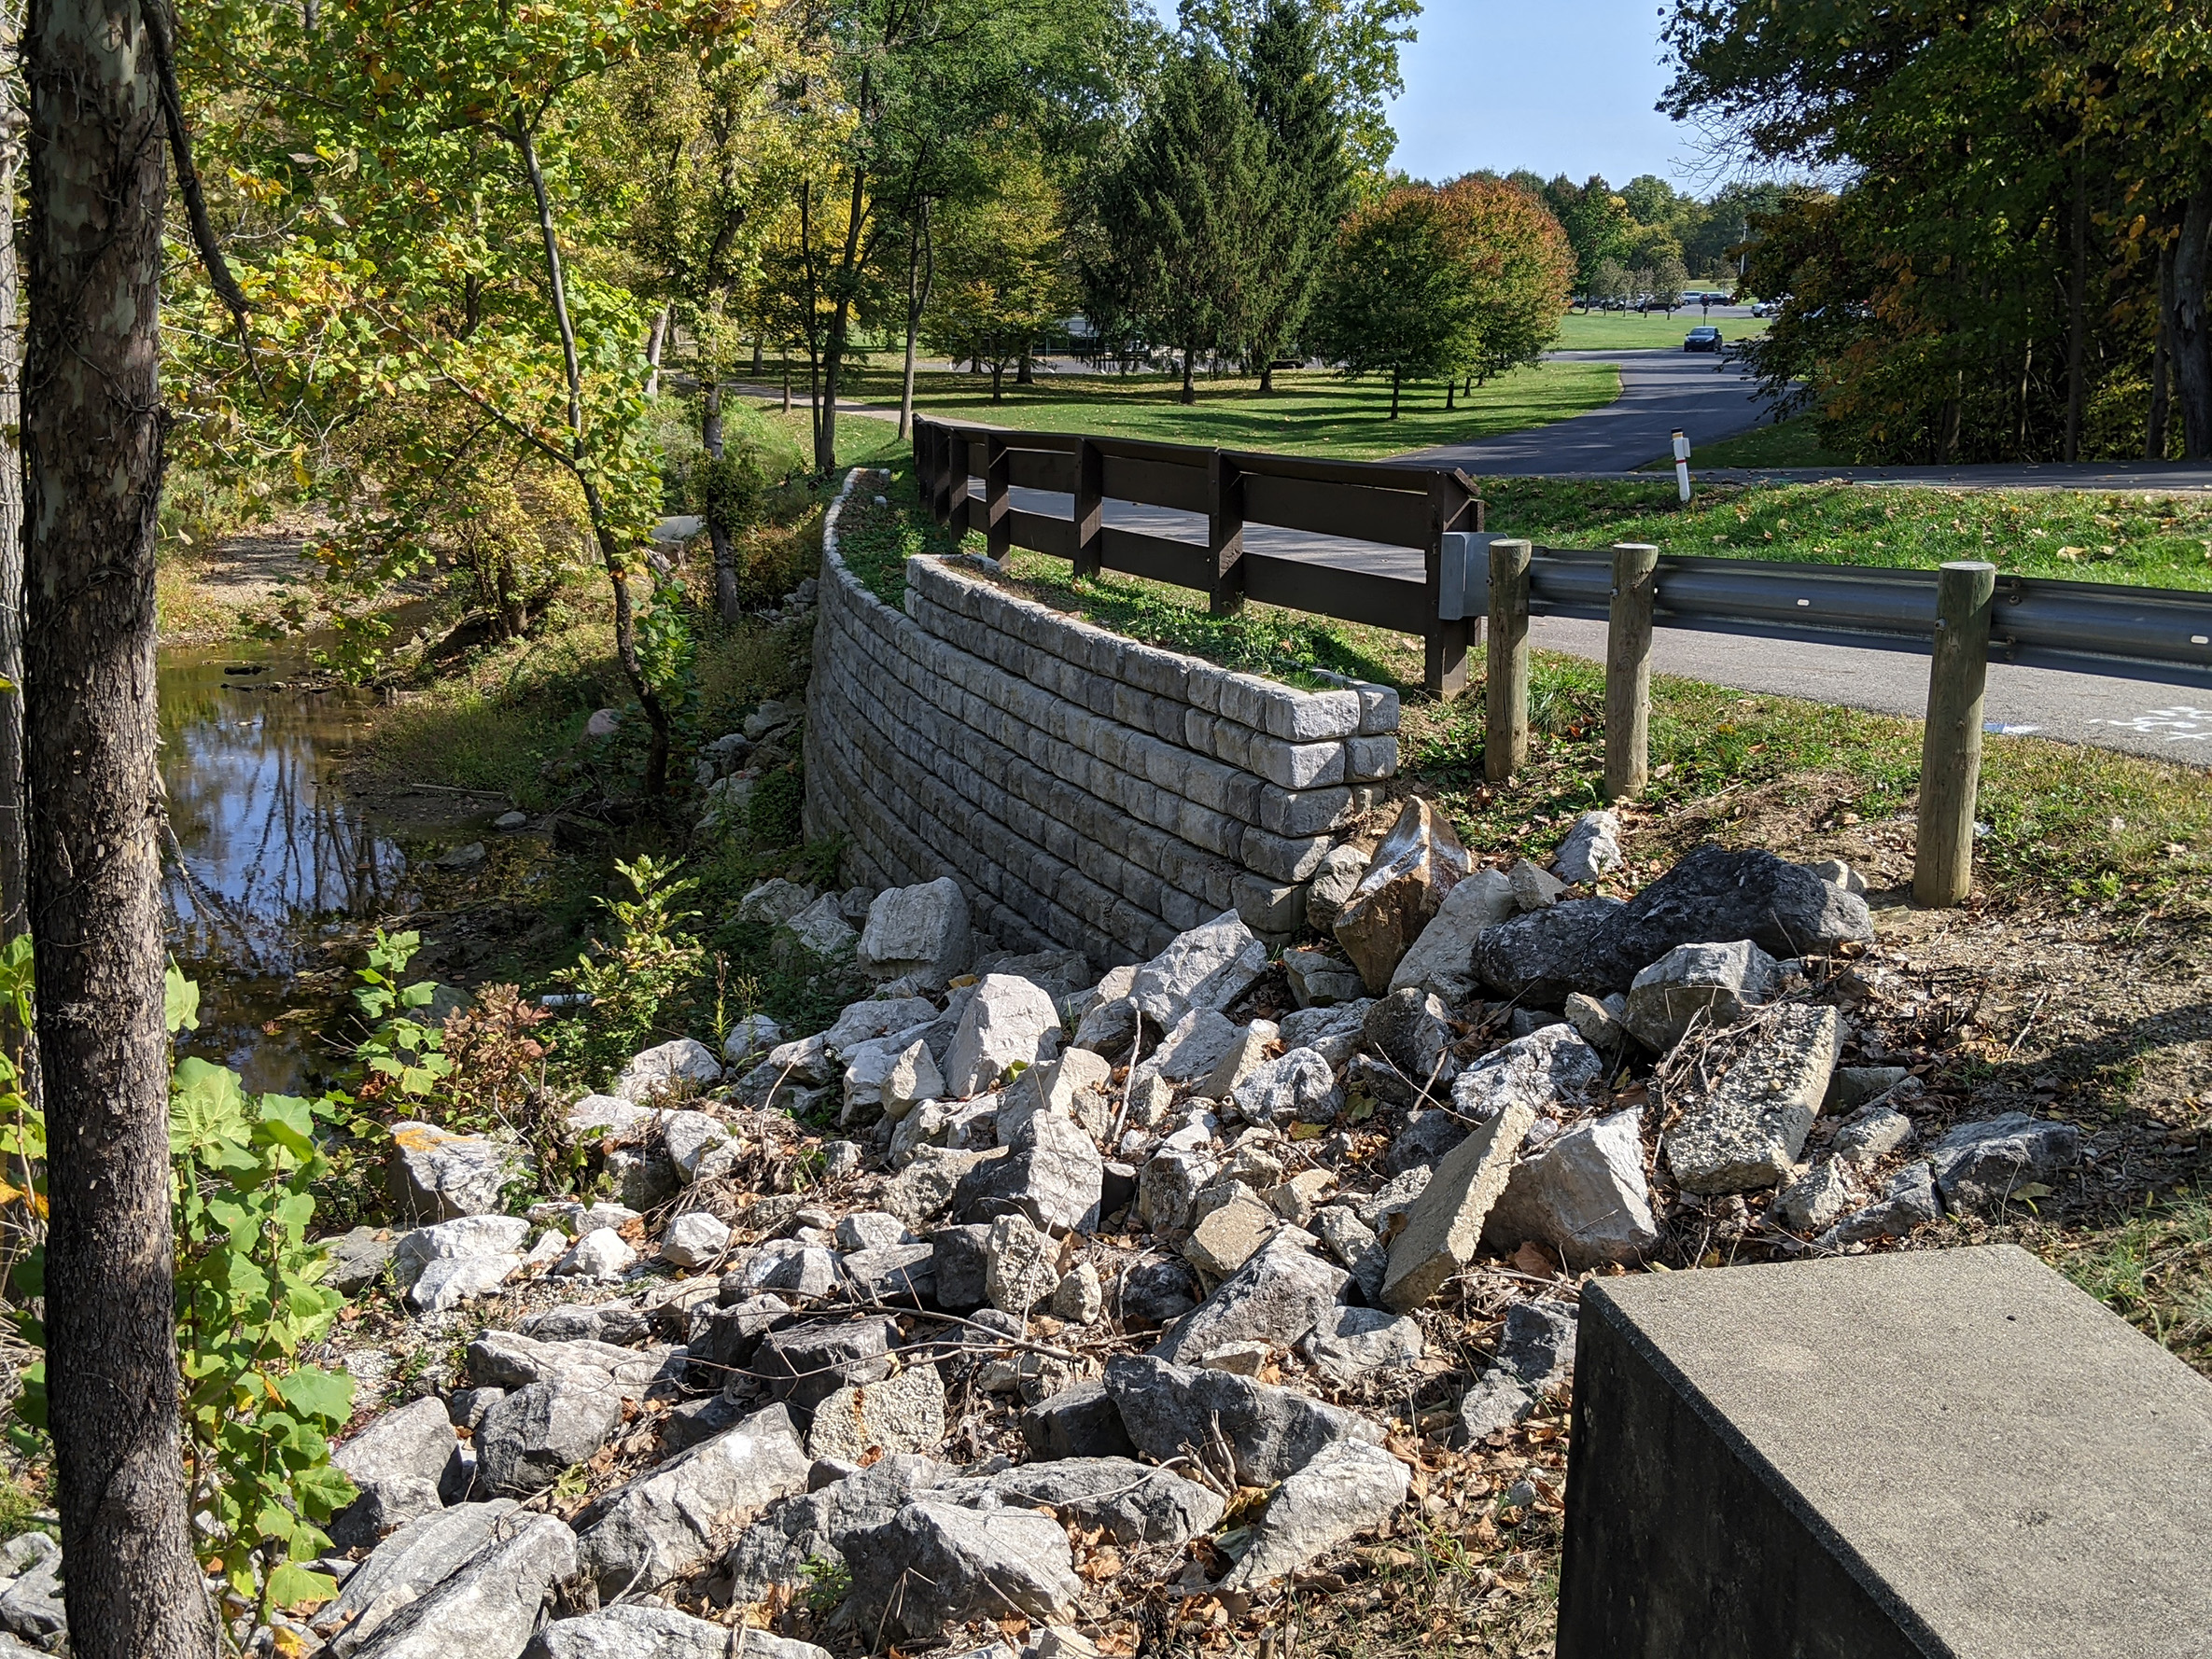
[(1409, 507)]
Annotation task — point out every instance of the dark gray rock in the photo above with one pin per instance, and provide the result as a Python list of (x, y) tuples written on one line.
[(1541, 958), (1408, 1029), (1080, 1421), (357, 1259), (1271, 1432), (1154, 1290), (724, 1340), (31, 1603), (904, 1273), (937, 1561), (1497, 1402), (805, 1364), (1425, 1138), (962, 1260), (530, 1437), (1538, 1343), (1714, 896), (697, 1421), (1278, 1296), (800, 1534), (622, 1324), (1979, 1166), (1132, 1503)]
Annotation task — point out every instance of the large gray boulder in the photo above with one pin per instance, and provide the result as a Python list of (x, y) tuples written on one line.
[(805, 1364), (633, 1633), (396, 1461), (1278, 1296), (1748, 1130), (1541, 958), (938, 1562), (535, 1433), (31, 1604), (1442, 959), (683, 1063), (802, 1534), (1053, 1174), (1345, 1490), (1979, 1166), (1271, 1432), (1131, 1503), (922, 933), (408, 1565), (437, 1175), (1550, 1071), (1298, 1087), (1717, 895), (668, 1521), (1210, 965), (487, 1607), (1009, 1022), (1584, 1195)]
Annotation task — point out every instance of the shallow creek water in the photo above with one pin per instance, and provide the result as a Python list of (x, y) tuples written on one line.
[(272, 869)]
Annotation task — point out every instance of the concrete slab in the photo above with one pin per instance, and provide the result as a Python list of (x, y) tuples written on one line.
[(1951, 1452)]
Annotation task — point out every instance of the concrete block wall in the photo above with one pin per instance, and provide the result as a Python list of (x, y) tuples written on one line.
[(1086, 791)]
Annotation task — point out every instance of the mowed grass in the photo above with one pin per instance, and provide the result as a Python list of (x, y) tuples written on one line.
[(1625, 332), (2143, 540), (1308, 413), (1794, 442)]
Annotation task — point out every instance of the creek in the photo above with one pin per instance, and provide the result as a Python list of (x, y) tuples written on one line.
[(273, 872)]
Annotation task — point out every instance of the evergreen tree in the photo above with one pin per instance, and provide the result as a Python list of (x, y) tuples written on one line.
[(1310, 175), (1183, 216)]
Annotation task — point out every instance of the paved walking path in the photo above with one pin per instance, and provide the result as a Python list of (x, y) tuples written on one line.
[(1706, 397)]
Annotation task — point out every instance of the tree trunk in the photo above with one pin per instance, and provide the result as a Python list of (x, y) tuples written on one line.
[(2155, 435), (2077, 308), (1395, 380), (1190, 392), (717, 532), (917, 296), (1451, 391), (14, 849), (787, 379), (92, 471), (1026, 374), (655, 343), (1268, 375), (998, 379), (2188, 336), (758, 347)]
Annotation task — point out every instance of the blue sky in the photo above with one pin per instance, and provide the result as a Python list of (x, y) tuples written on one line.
[(1557, 86)]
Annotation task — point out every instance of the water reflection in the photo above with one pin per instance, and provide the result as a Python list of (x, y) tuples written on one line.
[(271, 860)]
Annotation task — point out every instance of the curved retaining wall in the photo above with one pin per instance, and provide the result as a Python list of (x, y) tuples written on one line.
[(1086, 791)]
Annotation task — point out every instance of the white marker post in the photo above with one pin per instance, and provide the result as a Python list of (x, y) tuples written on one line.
[(1682, 466)]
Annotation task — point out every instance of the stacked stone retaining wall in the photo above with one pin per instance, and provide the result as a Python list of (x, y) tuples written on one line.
[(1086, 791)]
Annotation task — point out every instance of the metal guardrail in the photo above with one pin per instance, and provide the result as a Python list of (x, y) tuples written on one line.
[(2088, 627)]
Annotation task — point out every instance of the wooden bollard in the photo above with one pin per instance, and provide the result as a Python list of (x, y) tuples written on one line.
[(1950, 747), (1506, 692), (1628, 670)]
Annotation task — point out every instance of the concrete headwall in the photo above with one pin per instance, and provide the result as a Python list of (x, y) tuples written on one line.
[(1086, 791)]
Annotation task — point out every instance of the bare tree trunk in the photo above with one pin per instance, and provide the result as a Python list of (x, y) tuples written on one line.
[(725, 560), (2189, 337), (14, 849), (2077, 308), (655, 344), (2154, 436), (92, 472), (917, 302)]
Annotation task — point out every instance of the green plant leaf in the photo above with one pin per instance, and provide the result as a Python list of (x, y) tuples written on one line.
[(180, 1001), (324, 1395)]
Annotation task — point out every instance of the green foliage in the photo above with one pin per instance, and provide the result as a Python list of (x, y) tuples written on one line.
[(402, 1054), (1355, 46), (249, 1297), (639, 982), (728, 489), (667, 650), (1398, 301), (772, 814)]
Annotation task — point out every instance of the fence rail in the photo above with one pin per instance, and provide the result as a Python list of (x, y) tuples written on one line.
[(2089, 627)]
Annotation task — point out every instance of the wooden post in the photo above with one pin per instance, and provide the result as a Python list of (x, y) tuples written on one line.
[(1505, 724), (1951, 748), (1224, 534), (925, 465), (998, 497), (956, 480), (1628, 670), (1452, 505), (1090, 509)]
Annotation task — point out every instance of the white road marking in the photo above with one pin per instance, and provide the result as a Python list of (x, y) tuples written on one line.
[(2180, 724), (2003, 729)]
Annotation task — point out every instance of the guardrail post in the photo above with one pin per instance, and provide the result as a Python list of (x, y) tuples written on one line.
[(998, 497), (1628, 670), (956, 480), (1951, 745), (1452, 506), (1506, 699), (1224, 534), (1090, 509)]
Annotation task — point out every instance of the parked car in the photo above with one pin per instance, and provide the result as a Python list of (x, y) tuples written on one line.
[(1703, 339)]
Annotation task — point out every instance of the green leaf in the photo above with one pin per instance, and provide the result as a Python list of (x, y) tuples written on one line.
[(292, 1586), (324, 1395), (180, 1001)]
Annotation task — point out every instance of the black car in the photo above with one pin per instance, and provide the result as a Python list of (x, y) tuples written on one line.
[(1703, 339)]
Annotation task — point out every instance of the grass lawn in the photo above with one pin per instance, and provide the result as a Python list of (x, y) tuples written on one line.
[(2146, 541), (1310, 414), (1794, 442), (1625, 332)]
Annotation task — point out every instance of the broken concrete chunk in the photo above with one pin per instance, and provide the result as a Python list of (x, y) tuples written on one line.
[(1444, 1228), (1271, 1432), (1592, 849), (901, 1414), (1353, 1343), (1871, 1135), (1584, 1195), (1208, 967), (1910, 1201), (1345, 1490), (920, 932), (1420, 861), (1723, 983), (1748, 1130), (1816, 1199), (1980, 1166), (1227, 1234)]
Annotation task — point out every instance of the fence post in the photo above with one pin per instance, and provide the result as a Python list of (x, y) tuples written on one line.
[(998, 498), (1224, 534), (956, 480), (1452, 505), (925, 464), (1090, 509), (1506, 711), (1951, 745), (1628, 670)]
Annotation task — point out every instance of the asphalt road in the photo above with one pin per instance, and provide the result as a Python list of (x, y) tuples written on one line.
[(1703, 395)]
